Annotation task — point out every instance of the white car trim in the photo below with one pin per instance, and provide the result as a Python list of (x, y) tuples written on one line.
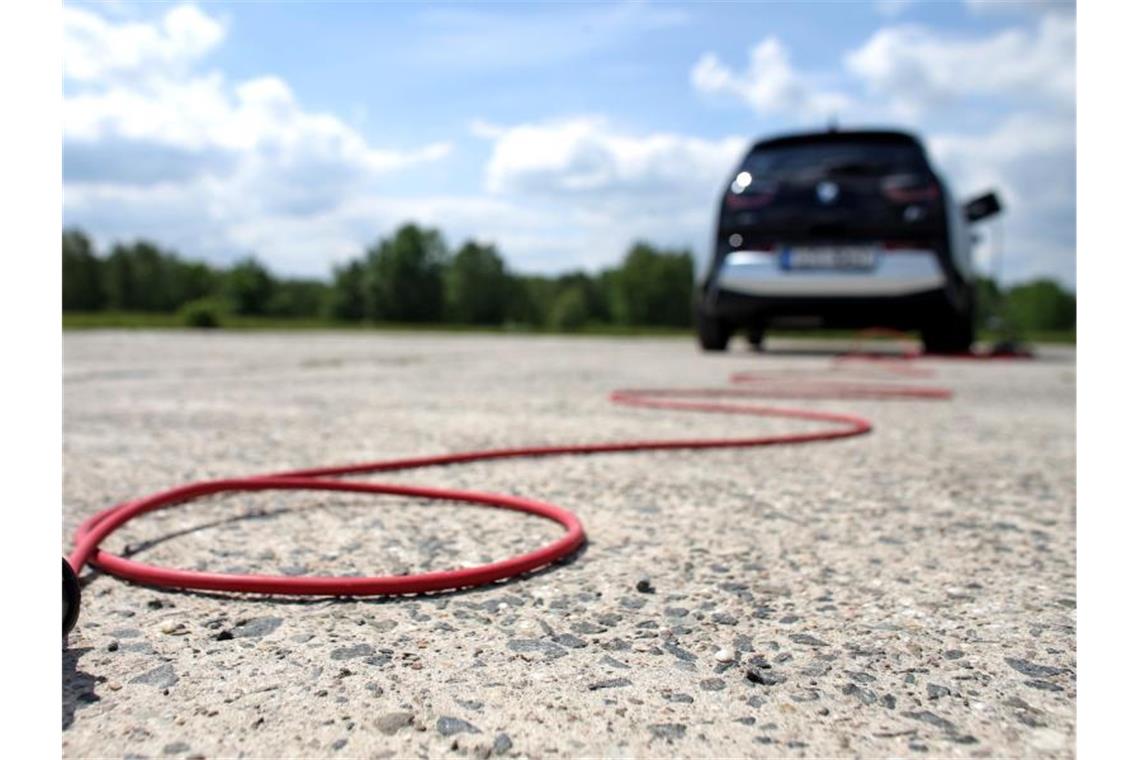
[(898, 272)]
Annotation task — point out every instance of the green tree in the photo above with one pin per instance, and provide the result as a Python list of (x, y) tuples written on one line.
[(571, 309), (477, 286), (403, 276), (140, 276), (192, 281), (653, 287), (530, 300), (594, 297), (299, 298), (249, 287), (118, 279), (1042, 305), (988, 302), (151, 272), (82, 274), (347, 300)]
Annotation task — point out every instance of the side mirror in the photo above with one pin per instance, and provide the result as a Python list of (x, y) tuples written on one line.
[(982, 207)]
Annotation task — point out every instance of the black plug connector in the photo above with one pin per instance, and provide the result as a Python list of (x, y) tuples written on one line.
[(70, 597)]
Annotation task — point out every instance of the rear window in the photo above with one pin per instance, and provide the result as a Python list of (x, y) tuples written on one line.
[(834, 158)]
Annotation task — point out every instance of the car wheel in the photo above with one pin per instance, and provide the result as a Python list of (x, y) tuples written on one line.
[(756, 338), (712, 332), (953, 335)]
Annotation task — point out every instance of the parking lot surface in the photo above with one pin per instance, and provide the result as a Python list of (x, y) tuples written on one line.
[(908, 592)]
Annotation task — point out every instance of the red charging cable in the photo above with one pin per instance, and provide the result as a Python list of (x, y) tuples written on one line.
[(93, 531)]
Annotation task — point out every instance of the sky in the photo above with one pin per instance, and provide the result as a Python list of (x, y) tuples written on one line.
[(301, 133)]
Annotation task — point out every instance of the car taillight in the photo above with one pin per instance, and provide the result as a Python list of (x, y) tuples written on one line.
[(735, 202), (904, 245), (909, 188)]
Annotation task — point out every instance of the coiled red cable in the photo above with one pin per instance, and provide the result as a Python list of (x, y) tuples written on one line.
[(93, 531)]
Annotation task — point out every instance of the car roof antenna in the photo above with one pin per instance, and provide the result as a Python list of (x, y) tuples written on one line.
[(833, 123)]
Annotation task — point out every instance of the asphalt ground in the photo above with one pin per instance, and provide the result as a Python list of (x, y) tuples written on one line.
[(910, 592)]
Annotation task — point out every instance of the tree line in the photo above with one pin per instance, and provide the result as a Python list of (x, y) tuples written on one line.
[(410, 277), (413, 277)]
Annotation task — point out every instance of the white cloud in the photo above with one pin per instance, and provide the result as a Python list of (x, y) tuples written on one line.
[(1021, 140), (770, 84), (586, 160), (201, 220), (594, 188), (95, 48), (917, 69), (206, 113), (146, 131), (1031, 161)]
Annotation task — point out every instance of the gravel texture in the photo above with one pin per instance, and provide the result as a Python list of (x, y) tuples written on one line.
[(911, 592)]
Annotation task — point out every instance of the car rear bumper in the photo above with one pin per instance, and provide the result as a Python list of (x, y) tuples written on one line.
[(912, 311), (897, 273)]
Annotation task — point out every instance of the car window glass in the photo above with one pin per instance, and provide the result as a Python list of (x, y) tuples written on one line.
[(833, 159)]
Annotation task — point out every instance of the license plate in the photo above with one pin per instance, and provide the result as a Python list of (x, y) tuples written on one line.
[(845, 258)]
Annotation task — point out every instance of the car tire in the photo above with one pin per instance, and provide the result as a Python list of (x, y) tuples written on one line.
[(756, 338), (951, 335), (712, 332)]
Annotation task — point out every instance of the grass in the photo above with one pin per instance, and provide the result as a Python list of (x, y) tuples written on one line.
[(150, 321)]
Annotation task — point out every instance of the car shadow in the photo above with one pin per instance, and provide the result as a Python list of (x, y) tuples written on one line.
[(837, 352)]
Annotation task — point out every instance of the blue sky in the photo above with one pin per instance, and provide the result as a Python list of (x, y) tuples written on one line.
[(301, 132)]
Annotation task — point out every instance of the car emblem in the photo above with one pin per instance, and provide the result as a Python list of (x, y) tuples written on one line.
[(827, 192)]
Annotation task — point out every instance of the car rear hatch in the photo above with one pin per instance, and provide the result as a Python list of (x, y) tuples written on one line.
[(841, 187)]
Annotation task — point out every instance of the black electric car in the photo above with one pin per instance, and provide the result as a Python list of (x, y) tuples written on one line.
[(844, 229)]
